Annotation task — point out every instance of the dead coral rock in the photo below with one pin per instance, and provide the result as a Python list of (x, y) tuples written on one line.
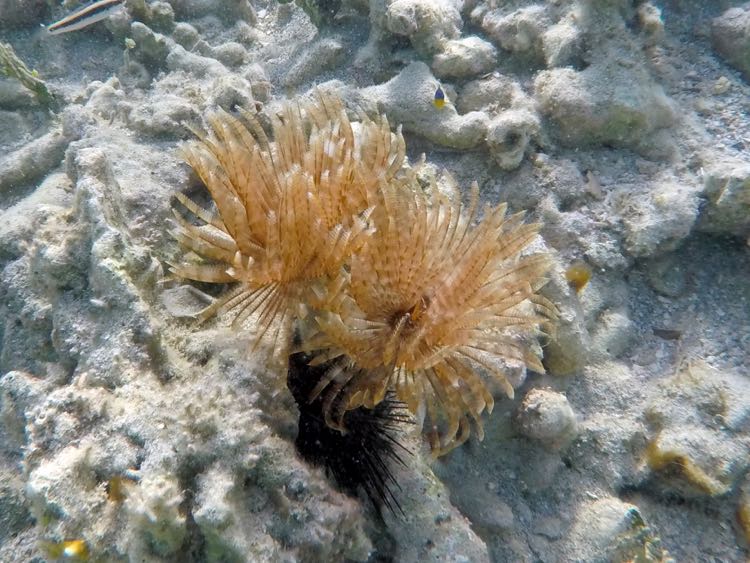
[(611, 530), (546, 416), (566, 352), (494, 92), (427, 23), (197, 65), (730, 37), (518, 32), (726, 186), (151, 48), (407, 99), (700, 419), (14, 510), (666, 275), (228, 10), (465, 57), (603, 104), (231, 92), (509, 136), (743, 510), (33, 160), (314, 58), (613, 334), (658, 221), (651, 24), (435, 529), (562, 43), (184, 301)]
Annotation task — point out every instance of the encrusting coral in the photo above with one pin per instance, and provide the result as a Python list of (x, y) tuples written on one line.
[(397, 287), (290, 210)]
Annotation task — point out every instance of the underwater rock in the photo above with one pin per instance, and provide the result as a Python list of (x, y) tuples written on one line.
[(465, 57), (562, 43), (186, 35), (657, 221), (158, 14), (165, 119), (435, 529), (602, 105), (667, 275), (14, 96), (231, 54), (519, 32), (33, 160), (509, 135), (231, 92), (322, 54), (181, 59), (730, 37), (228, 10), (726, 187), (494, 92), (743, 510), (150, 48), (546, 416), (650, 23), (20, 392), (214, 513), (105, 98), (614, 531), (429, 24), (169, 108), (184, 301), (613, 334), (567, 351), (155, 523), (14, 510), (700, 418), (514, 122), (260, 86), (408, 99)]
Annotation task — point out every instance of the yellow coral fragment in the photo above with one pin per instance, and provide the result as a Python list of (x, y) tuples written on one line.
[(73, 550), (743, 516), (660, 459), (578, 275), (116, 488)]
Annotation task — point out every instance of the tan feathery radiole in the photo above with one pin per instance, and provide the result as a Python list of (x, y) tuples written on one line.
[(290, 209), (427, 299)]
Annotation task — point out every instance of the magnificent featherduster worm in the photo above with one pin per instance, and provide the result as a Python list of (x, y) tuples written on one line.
[(399, 292), (290, 210), (428, 298)]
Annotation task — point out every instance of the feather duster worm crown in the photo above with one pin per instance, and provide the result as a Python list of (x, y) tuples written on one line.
[(428, 298), (289, 210), (409, 291)]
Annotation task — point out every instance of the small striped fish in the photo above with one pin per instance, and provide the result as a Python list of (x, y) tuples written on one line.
[(85, 16)]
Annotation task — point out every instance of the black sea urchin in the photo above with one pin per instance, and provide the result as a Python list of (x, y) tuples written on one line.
[(360, 457)]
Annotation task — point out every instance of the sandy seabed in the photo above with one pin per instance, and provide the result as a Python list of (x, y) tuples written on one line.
[(623, 126)]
